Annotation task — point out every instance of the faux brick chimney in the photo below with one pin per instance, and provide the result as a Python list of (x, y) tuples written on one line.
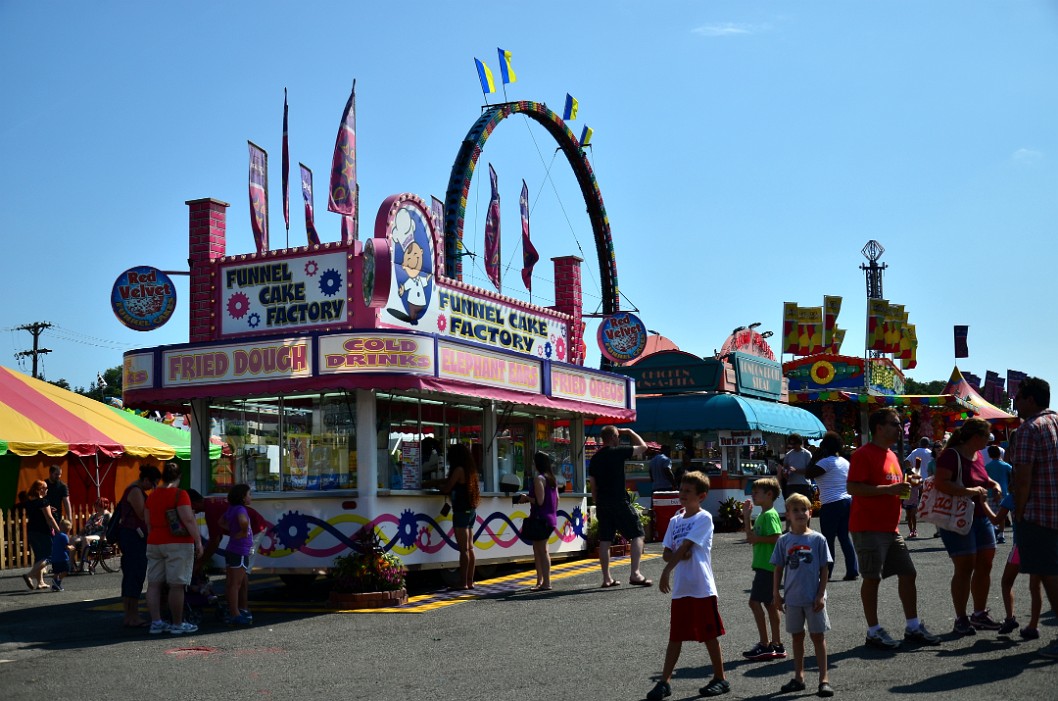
[(568, 301), (206, 242)]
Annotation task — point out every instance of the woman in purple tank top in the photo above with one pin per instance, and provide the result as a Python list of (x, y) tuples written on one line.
[(540, 525)]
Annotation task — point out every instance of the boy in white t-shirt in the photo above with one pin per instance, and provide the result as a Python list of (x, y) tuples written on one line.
[(688, 574)]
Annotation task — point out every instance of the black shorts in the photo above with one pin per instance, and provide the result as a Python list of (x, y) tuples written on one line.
[(1038, 547), (618, 517), (763, 586)]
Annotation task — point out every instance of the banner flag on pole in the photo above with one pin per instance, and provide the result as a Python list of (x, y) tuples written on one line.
[(306, 193), (894, 329), (974, 380), (506, 70), (1014, 380), (529, 254), (838, 339), (286, 167), (989, 392), (492, 232), (259, 196), (809, 330), (831, 309), (962, 350), (585, 135), (877, 313), (488, 85), (341, 197), (789, 327), (569, 112)]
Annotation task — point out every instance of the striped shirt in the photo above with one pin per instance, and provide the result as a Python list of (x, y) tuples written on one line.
[(1036, 450)]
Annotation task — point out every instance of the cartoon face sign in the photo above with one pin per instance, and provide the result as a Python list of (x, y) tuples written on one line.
[(412, 263)]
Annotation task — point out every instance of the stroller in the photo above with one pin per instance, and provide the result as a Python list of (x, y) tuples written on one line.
[(199, 598)]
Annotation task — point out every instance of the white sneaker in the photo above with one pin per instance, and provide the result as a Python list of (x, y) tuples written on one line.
[(184, 627), (158, 627)]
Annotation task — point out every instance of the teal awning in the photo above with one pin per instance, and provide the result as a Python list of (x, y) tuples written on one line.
[(723, 412)]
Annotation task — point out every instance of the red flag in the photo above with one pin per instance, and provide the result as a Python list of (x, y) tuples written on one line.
[(286, 166), (342, 195), (306, 192), (529, 254), (492, 232), (259, 196)]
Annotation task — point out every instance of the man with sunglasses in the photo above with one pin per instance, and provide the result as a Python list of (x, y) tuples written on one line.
[(876, 483)]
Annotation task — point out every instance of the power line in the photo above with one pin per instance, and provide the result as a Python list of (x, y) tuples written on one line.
[(36, 328)]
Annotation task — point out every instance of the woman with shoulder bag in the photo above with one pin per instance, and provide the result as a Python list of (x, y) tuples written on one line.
[(132, 539), (463, 487), (173, 543), (40, 527), (961, 471), (542, 519)]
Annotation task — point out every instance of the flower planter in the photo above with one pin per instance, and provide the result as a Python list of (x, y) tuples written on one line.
[(368, 600)]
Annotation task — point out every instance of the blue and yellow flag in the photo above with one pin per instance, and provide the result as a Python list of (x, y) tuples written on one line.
[(570, 110), (585, 135), (488, 85), (506, 70)]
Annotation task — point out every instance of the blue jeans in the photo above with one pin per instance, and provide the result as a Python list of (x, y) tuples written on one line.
[(834, 523)]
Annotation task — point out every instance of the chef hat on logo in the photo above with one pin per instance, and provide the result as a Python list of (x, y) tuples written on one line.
[(403, 231)]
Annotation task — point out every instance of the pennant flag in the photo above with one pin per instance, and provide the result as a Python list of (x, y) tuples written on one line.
[(974, 380), (529, 254), (488, 86), (569, 112), (286, 166), (989, 392), (1014, 380), (894, 325), (259, 196), (306, 193), (492, 232), (962, 350), (831, 309), (809, 330), (506, 71), (341, 197), (908, 342), (877, 313), (838, 339), (585, 135), (789, 327)]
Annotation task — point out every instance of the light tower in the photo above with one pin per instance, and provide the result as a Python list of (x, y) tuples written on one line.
[(872, 251)]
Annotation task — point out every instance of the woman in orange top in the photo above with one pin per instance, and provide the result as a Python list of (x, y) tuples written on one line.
[(173, 542)]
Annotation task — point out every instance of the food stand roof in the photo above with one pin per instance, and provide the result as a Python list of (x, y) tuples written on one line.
[(39, 417), (951, 402), (984, 409), (718, 412)]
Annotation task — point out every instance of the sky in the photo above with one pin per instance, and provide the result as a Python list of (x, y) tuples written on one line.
[(746, 152)]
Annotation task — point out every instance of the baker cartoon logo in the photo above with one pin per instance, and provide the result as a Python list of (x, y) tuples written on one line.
[(412, 264)]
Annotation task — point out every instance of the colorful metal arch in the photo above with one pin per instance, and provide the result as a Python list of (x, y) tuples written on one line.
[(463, 172)]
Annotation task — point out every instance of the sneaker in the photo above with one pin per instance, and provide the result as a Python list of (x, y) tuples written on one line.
[(1029, 633), (660, 691), (1000, 538), (982, 621), (921, 635), (158, 627), (759, 652), (245, 613), (182, 628), (913, 534), (1009, 626), (778, 651), (882, 640), (56, 585), (240, 620), (1050, 651), (963, 626)]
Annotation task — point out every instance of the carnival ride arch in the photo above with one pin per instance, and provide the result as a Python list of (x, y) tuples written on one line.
[(463, 173)]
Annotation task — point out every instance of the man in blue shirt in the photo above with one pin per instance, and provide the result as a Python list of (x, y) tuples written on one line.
[(1000, 472)]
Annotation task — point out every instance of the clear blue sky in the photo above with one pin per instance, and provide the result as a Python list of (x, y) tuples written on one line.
[(746, 152)]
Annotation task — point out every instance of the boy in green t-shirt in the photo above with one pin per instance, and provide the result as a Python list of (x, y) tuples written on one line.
[(762, 535)]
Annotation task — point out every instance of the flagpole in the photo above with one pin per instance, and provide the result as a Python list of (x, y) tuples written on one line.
[(286, 171)]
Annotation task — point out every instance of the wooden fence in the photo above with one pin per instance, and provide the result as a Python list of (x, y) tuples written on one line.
[(14, 545)]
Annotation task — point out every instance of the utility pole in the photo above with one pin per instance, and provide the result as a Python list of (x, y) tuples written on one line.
[(36, 329)]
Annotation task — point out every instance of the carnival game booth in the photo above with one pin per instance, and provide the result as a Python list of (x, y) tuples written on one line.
[(342, 372), (99, 447), (728, 410), (837, 390)]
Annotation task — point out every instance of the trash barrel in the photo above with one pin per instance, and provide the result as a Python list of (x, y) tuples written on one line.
[(665, 505)]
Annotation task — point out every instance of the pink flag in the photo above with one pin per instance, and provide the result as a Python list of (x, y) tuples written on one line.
[(306, 192), (342, 195), (529, 254), (492, 233), (259, 196), (286, 167)]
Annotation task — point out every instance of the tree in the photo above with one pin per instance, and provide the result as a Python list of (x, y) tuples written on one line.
[(932, 387), (101, 393)]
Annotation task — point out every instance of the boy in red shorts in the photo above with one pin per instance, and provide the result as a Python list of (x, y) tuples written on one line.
[(688, 574)]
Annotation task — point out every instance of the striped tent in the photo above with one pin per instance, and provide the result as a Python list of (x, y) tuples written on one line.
[(42, 424)]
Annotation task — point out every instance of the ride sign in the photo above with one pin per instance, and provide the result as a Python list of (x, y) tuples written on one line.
[(143, 298)]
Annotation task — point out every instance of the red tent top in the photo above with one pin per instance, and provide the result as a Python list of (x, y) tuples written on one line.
[(958, 386)]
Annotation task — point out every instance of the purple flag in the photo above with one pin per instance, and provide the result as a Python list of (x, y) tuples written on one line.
[(529, 254), (286, 167), (437, 208), (492, 233), (1014, 379), (306, 192), (961, 349), (342, 195), (974, 380), (259, 196), (991, 392)]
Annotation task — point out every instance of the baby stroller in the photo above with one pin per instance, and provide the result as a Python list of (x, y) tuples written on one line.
[(199, 598)]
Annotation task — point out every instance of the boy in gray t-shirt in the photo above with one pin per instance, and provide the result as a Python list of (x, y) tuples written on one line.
[(805, 558)]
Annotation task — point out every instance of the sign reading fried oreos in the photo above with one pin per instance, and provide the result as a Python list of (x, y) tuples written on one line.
[(283, 294)]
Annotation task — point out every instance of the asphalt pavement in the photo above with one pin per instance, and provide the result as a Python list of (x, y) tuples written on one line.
[(578, 641)]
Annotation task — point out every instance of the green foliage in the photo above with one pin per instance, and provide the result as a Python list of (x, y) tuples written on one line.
[(931, 387), (368, 568), (729, 519)]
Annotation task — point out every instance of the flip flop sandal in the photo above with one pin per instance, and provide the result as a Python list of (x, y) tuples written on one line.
[(29, 584), (825, 690), (612, 584), (792, 685), (642, 582), (715, 688)]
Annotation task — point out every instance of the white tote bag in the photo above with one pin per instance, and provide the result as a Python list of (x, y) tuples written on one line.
[(944, 510)]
